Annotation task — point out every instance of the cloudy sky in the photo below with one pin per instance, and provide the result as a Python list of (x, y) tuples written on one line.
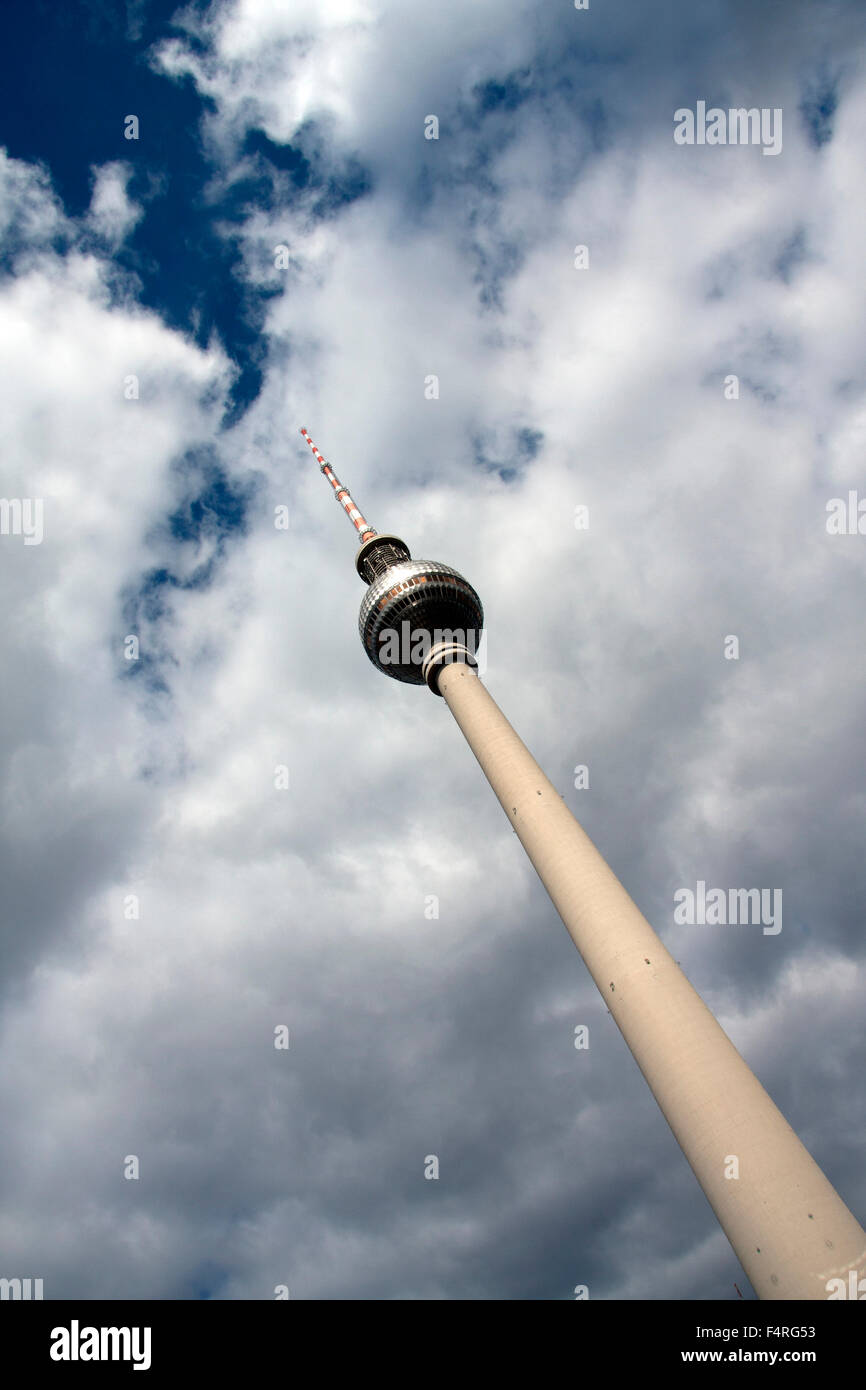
[(695, 379)]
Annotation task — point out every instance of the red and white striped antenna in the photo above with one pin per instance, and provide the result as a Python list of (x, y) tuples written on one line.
[(364, 529)]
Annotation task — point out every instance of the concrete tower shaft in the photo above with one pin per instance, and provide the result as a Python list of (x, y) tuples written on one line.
[(788, 1226)]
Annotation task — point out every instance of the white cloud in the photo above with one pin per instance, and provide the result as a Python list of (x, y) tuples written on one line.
[(112, 214), (30, 212)]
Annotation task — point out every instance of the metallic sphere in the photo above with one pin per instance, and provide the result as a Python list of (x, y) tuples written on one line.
[(412, 606)]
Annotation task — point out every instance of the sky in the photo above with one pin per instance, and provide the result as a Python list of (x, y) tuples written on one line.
[(222, 830)]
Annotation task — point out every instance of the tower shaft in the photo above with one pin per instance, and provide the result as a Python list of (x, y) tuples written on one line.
[(788, 1226)]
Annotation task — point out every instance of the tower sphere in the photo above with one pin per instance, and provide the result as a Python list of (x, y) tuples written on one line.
[(412, 606), (417, 615)]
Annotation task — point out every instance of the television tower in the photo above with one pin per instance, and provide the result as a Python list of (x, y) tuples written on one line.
[(794, 1236)]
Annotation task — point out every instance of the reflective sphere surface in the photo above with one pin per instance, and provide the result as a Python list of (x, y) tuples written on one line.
[(411, 607)]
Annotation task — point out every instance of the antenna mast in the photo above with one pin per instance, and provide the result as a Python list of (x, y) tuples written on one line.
[(364, 529)]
